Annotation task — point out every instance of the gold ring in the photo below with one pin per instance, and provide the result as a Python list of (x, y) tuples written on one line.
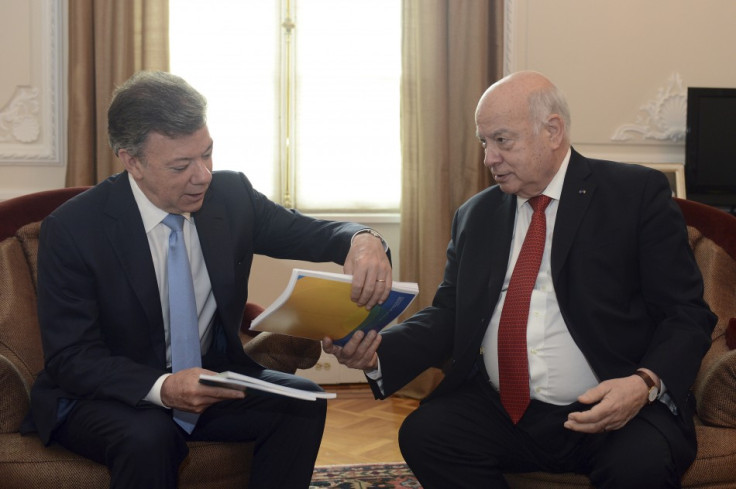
[(379, 280)]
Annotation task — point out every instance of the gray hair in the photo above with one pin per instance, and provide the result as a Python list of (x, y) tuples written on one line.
[(545, 102), (153, 101)]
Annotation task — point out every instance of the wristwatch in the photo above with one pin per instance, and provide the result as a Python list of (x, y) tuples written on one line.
[(373, 233), (653, 389)]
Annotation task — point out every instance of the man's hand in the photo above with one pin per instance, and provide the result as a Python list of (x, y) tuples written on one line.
[(183, 391), (359, 352), (618, 401), (368, 264)]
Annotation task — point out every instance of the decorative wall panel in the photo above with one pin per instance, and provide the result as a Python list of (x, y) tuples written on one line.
[(625, 66), (31, 102)]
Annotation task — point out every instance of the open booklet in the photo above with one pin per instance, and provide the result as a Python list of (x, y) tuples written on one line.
[(317, 304), (234, 380)]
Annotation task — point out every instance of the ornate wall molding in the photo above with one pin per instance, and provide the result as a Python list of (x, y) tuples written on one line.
[(19, 122), (663, 118), (31, 123), (509, 20)]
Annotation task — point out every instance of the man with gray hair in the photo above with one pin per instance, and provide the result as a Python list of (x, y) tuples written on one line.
[(142, 284), (570, 321)]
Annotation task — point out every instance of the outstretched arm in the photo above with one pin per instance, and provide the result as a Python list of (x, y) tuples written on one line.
[(359, 352)]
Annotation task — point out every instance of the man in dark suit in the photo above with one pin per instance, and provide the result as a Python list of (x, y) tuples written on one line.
[(614, 325), (108, 390)]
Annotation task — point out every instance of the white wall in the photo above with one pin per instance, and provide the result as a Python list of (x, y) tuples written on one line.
[(625, 66), (32, 96)]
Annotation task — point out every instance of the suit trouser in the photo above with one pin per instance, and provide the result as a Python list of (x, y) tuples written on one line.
[(143, 447), (467, 440)]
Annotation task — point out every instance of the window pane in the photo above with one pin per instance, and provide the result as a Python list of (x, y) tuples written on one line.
[(345, 152), (347, 104), (228, 50)]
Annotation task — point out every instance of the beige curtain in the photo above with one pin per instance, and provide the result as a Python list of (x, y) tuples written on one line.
[(452, 52), (109, 40)]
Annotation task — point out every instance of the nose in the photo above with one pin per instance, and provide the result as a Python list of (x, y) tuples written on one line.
[(491, 157), (202, 174)]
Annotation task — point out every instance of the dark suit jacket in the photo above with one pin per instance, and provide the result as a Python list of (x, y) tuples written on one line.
[(98, 301), (625, 278)]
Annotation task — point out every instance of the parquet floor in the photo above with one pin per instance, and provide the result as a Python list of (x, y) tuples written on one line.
[(360, 429)]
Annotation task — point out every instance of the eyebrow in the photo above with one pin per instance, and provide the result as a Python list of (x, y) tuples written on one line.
[(495, 134), (187, 158), (503, 132)]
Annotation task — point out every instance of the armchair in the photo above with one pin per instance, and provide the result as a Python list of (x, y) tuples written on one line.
[(24, 461), (712, 235)]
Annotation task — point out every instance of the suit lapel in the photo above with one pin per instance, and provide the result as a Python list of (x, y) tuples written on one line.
[(484, 278), (217, 245), (577, 193), (501, 224), (127, 236)]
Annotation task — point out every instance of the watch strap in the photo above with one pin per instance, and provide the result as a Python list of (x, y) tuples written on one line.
[(647, 380)]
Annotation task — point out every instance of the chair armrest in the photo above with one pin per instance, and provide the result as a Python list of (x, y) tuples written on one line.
[(282, 352), (716, 395), (14, 397), (276, 351)]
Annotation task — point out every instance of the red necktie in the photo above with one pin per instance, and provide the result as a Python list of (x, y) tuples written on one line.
[(513, 364)]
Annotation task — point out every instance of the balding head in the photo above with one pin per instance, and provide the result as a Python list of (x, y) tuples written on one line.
[(523, 122), (532, 92)]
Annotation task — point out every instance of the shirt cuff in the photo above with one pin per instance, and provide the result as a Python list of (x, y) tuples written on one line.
[(376, 376), (154, 395)]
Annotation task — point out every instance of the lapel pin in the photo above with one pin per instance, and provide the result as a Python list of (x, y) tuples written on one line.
[(582, 191)]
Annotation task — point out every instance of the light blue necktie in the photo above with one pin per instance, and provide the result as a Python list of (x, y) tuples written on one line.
[(183, 323)]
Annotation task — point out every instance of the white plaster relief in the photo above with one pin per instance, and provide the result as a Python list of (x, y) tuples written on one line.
[(664, 117), (31, 129), (509, 17), (19, 121)]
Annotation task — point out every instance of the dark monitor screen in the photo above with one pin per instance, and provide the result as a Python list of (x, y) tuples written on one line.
[(710, 145)]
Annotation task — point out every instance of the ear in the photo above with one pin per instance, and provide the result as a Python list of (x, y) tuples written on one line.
[(556, 129), (131, 163)]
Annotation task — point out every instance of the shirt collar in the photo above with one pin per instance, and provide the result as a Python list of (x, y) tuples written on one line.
[(151, 215), (554, 188)]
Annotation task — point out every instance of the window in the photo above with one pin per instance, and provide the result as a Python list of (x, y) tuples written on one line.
[(303, 95)]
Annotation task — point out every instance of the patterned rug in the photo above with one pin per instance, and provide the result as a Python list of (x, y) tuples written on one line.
[(364, 476)]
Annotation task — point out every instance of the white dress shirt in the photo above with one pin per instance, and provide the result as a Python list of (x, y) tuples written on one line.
[(158, 240), (558, 371)]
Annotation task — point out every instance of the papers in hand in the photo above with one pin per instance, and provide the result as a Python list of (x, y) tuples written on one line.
[(234, 380), (317, 304)]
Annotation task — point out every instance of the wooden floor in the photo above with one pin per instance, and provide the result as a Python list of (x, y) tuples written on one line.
[(360, 429)]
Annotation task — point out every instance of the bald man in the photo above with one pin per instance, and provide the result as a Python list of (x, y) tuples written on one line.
[(613, 329)]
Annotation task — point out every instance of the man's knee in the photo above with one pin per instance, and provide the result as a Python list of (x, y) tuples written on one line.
[(156, 440), (417, 433), (646, 464)]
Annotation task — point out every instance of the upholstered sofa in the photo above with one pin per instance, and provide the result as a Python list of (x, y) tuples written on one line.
[(24, 462), (712, 235)]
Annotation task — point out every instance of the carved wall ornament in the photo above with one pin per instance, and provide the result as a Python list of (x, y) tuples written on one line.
[(664, 117), (19, 121), (32, 129), (509, 21)]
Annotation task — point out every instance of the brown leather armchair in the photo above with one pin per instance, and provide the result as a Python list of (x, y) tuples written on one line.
[(712, 235), (24, 461)]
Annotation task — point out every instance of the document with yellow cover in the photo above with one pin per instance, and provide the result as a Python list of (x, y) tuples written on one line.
[(317, 304)]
